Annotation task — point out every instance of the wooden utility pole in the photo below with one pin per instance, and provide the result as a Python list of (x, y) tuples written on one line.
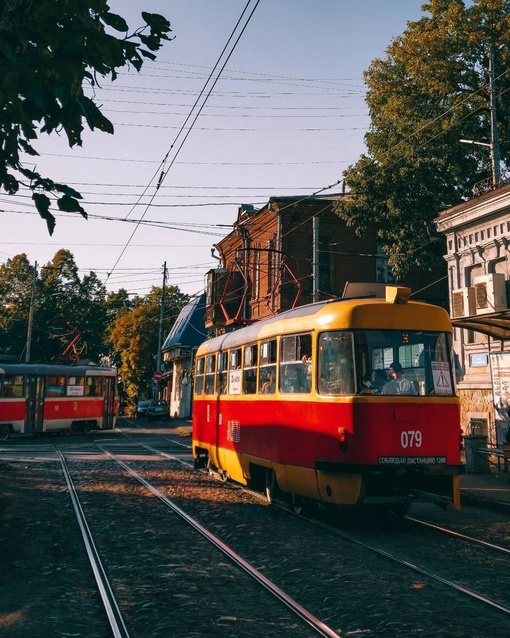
[(494, 145), (31, 316), (161, 316)]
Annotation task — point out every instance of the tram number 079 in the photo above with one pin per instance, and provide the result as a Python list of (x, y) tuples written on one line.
[(411, 438)]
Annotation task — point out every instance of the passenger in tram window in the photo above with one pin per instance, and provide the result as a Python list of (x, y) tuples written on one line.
[(380, 380), (268, 387), (398, 384)]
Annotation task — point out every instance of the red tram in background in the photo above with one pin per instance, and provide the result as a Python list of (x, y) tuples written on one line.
[(37, 398), (302, 404)]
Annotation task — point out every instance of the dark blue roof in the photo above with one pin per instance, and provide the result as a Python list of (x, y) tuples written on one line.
[(188, 329)]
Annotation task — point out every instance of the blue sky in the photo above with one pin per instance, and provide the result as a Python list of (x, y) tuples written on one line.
[(286, 118)]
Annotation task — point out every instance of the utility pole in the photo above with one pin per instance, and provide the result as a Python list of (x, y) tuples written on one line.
[(31, 316), (494, 145), (160, 337), (315, 258)]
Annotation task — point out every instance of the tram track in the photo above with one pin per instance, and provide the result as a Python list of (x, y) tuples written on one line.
[(287, 559), (458, 587), (118, 625), (389, 555)]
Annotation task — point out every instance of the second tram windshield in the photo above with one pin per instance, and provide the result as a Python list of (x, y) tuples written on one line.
[(385, 362)]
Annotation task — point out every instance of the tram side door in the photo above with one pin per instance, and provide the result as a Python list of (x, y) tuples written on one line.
[(34, 418), (109, 403)]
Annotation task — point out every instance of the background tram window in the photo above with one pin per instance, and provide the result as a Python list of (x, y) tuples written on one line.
[(250, 370), (221, 374), (12, 385), (75, 386), (267, 380), (199, 375), (56, 386), (94, 386), (210, 373)]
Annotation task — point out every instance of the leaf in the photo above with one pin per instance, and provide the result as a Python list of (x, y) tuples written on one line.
[(42, 203), (115, 21), (70, 205), (157, 22), (94, 117)]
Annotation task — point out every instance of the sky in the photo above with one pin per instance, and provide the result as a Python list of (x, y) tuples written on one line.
[(286, 117)]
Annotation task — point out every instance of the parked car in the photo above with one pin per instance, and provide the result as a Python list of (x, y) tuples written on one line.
[(158, 410), (141, 410)]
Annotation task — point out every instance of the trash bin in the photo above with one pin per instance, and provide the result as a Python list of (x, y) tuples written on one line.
[(476, 462)]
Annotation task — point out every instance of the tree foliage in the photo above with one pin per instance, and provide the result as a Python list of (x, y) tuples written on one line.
[(430, 91), (134, 337), (116, 330), (50, 51)]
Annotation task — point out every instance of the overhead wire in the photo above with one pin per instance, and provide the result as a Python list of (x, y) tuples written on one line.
[(164, 171)]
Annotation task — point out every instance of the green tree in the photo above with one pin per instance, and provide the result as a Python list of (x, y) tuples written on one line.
[(50, 50), (134, 338), (62, 302), (16, 276), (430, 91)]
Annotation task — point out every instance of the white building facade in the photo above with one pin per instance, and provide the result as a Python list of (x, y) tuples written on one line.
[(478, 260)]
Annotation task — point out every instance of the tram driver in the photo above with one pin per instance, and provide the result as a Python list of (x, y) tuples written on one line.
[(397, 383)]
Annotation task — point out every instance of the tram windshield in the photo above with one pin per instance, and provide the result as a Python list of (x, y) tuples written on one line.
[(385, 362)]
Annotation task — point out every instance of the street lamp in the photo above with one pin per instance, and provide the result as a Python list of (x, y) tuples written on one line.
[(494, 160)]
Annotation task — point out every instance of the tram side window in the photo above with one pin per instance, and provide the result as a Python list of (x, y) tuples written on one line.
[(199, 375), (210, 373), (56, 386), (94, 387), (12, 385), (267, 381), (250, 370), (75, 386), (234, 374), (221, 374), (336, 364), (296, 363)]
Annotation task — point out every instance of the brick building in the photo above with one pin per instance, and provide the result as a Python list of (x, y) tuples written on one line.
[(294, 251)]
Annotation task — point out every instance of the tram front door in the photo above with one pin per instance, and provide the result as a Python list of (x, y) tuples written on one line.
[(34, 421)]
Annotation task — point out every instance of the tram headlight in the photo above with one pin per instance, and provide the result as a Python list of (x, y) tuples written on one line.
[(342, 439)]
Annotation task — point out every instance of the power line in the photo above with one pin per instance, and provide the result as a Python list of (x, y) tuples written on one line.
[(164, 171)]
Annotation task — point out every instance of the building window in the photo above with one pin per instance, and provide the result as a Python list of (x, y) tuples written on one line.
[(488, 233), (482, 235)]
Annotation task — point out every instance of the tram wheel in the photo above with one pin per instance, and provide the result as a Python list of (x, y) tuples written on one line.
[(5, 432), (270, 486), (68, 431)]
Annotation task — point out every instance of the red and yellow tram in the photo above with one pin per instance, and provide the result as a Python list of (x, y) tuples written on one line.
[(303, 403), (37, 398)]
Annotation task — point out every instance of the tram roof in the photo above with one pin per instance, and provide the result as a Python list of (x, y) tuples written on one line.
[(55, 368), (364, 313)]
